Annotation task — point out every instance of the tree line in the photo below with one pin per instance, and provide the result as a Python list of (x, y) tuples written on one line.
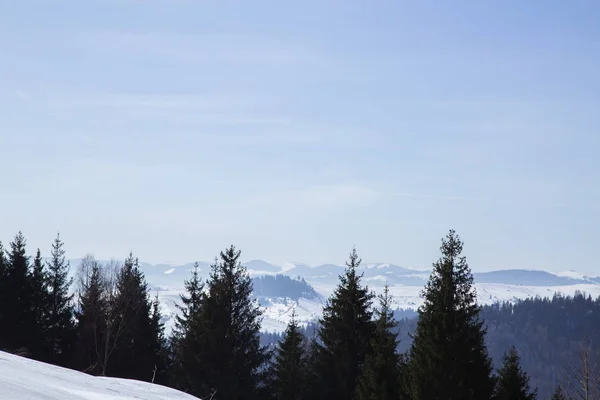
[(113, 327)]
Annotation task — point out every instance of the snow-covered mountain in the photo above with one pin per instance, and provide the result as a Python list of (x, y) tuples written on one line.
[(24, 379), (305, 288)]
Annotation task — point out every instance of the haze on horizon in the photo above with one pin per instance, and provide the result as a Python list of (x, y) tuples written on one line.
[(175, 128)]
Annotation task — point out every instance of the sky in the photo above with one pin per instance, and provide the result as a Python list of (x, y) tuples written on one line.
[(297, 130)]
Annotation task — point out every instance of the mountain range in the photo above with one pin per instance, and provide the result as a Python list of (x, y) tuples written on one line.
[(280, 289)]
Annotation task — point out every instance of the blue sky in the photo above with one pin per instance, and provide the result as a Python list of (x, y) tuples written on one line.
[(296, 130)]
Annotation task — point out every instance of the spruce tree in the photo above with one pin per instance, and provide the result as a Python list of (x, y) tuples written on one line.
[(314, 381), (60, 330), (19, 323), (158, 344), (289, 369), (190, 302), (183, 345), (448, 357), (40, 307), (230, 361), (91, 324), (380, 379), (513, 382), (345, 334), (135, 355)]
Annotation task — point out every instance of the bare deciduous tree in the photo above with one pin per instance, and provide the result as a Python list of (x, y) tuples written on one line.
[(581, 377), (107, 326)]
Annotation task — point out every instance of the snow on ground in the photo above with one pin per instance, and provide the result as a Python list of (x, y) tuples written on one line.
[(573, 274), (23, 379), (279, 313)]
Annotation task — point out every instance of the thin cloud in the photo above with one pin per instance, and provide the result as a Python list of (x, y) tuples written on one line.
[(196, 109), (432, 196), (157, 101), (338, 195), (201, 48)]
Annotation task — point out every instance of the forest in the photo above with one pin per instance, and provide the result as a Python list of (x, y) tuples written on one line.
[(105, 322)]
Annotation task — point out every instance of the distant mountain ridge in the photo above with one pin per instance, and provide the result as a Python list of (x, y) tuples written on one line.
[(170, 275), (282, 289)]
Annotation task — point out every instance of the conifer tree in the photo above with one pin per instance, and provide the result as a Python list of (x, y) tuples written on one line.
[(19, 323), (191, 301), (230, 361), (158, 344), (92, 323), (135, 337), (345, 335), (60, 329), (448, 347), (513, 382), (289, 368), (183, 345), (314, 381), (380, 379), (40, 306)]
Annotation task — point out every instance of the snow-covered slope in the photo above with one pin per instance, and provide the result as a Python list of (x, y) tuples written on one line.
[(23, 379)]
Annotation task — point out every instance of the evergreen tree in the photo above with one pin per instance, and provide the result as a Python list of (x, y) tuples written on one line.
[(558, 394), (448, 357), (230, 360), (513, 382), (314, 381), (19, 319), (40, 305), (289, 366), (60, 330), (380, 378), (183, 343), (345, 335), (191, 301), (158, 344), (404, 379), (92, 323), (135, 355)]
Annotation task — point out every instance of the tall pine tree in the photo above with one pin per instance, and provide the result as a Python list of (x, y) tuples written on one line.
[(61, 328), (92, 317), (314, 380), (190, 302), (40, 306), (135, 334), (380, 378), (448, 357), (513, 382), (345, 335), (183, 344), (19, 323), (158, 344), (230, 361), (289, 369)]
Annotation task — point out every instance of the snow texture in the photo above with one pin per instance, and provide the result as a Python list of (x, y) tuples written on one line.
[(24, 379)]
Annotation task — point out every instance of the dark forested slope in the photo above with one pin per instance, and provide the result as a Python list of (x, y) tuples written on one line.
[(548, 334)]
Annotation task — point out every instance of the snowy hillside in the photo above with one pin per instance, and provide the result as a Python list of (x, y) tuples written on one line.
[(23, 379)]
